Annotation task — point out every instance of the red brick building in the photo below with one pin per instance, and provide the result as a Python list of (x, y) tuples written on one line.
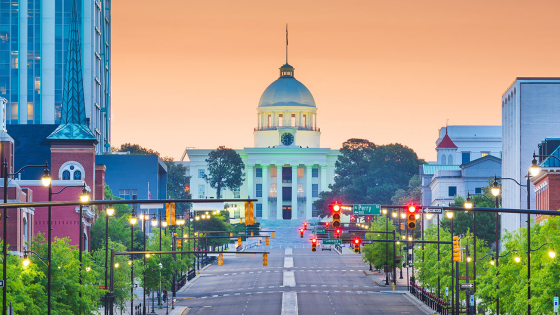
[(547, 182)]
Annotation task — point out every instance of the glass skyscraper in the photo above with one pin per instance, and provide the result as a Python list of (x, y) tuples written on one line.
[(33, 52)]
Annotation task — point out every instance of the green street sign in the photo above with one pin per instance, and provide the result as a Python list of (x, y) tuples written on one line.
[(332, 241), (321, 231), (367, 209)]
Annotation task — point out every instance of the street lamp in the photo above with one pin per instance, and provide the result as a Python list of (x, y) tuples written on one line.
[(535, 168), (517, 259), (429, 216), (495, 188), (110, 211), (154, 221), (403, 215), (394, 214), (384, 211), (552, 254), (468, 203), (449, 214), (46, 181)]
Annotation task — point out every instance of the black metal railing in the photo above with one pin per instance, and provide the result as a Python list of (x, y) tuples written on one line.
[(429, 299), (191, 274), (138, 309)]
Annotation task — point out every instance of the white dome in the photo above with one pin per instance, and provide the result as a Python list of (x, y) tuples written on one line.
[(286, 91)]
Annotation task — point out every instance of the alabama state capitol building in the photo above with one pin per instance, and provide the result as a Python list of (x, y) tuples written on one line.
[(287, 168)]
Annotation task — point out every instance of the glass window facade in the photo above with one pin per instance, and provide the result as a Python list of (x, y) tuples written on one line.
[(201, 173), (315, 172), (452, 191), (259, 190), (236, 193), (201, 192), (9, 57), (466, 157), (259, 210), (259, 172), (315, 190), (478, 190)]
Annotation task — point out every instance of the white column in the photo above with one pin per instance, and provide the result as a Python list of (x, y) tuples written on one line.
[(250, 188), (279, 192), (308, 192), (323, 178), (47, 64), (294, 192), (266, 192)]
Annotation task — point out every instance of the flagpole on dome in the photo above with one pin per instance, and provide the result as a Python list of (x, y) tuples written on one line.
[(286, 43)]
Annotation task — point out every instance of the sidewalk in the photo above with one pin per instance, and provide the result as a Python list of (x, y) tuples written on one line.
[(380, 276), (177, 311)]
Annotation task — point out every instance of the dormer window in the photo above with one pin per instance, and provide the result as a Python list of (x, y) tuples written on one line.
[(71, 170)]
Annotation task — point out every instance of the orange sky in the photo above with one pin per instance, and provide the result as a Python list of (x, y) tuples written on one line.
[(190, 73)]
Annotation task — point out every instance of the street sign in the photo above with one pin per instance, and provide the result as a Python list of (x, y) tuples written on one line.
[(321, 231), (555, 304), (446, 291), (465, 286), (332, 241), (433, 210), (366, 209), (1, 283), (472, 299)]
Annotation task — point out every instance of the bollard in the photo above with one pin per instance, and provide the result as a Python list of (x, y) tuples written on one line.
[(393, 286)]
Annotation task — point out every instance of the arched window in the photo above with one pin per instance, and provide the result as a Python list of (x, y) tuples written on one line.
[(66, 175), (443, 160), (450, 159), (86, 243), (77, 175), (71, 170)]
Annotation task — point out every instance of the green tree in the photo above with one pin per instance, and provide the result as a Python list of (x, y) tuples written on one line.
[(377, 252), (134, 149), (225, 170), (177, 185), (411, 195), (369, 174)]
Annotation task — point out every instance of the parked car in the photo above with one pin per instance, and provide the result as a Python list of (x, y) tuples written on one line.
[(326, 247)]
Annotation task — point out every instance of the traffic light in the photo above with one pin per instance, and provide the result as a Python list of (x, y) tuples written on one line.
[(170, 213), (301, 233), (327, 225), (356, 245), (266, 239), (335, 208), (179, 242), (402, 226), (249, 214), (314, 244), (352, 218), (456, 249), (412, 216), (368, 218), (337, 233), (305, 225)]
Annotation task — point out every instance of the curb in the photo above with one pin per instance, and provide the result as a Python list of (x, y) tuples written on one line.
[(195, 279), (424, 308)]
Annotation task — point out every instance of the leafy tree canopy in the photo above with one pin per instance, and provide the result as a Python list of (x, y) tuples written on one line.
[(369, 174), (225, 169)]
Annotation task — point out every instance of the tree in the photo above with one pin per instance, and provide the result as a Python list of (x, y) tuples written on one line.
[(225, 170), (411, 195), (369, 174), (177, 185), (134, 149), (377, 252)]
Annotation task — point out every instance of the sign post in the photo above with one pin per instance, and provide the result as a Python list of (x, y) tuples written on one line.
[(555, 304), (366, 209)]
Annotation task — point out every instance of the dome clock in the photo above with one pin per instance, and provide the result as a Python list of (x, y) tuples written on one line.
[(287, 138)]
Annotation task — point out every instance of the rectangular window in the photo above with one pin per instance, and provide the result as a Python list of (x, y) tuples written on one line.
[(280, 120), (314, 212), (300, 172), (315, 190), (273, 190), (466, 157), (236, 213), (286, 174), (286, 193), (201, 173), (259, 172), (293, 120), (259, 190), (201, 193), (273, 172), (304, 121), (237, 193), (124, 194), (452, 191), (300, 190), (269, 121), (315, 172), (478, 190), (483, 154), (259, 210)]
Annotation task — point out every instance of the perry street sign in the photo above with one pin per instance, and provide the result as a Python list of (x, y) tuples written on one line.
[(366, 210), (433, 210), (465, 286), (332, 241)]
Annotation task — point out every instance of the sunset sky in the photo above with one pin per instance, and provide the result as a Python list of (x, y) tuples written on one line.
[(190, 73)]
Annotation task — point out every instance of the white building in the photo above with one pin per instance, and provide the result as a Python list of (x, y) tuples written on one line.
[(466, 157), (530, 113), (286, 169)]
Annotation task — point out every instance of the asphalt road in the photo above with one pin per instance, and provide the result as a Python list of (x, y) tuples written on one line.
[(321, 282)]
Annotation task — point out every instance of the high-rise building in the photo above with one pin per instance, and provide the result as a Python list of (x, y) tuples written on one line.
[(530, 113), (34, 37)]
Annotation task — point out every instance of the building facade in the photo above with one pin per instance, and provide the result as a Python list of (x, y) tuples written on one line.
[(530, 113), (547, 182), (466, 157), (34, 37), (286, 169)]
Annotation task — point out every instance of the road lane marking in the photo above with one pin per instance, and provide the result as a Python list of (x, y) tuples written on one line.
[(288, 262), (289, 279), (289, 303)]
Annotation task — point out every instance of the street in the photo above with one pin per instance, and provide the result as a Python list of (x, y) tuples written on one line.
[(296, 281)]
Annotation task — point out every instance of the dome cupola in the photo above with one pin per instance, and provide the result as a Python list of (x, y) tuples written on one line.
[(286, 91)]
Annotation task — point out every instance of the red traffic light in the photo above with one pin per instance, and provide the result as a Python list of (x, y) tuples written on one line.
[(337, 231), (357, 241), (368, 218), (411, 208), (314, 240), (305, 224), (327, 224), (336, 207), (301, 230), (352, 218)]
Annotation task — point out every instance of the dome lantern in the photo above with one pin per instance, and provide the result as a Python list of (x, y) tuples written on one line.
[(286, 71)]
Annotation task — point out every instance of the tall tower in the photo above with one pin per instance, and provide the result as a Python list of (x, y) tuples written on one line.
[(446, 151), (287, 115)]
